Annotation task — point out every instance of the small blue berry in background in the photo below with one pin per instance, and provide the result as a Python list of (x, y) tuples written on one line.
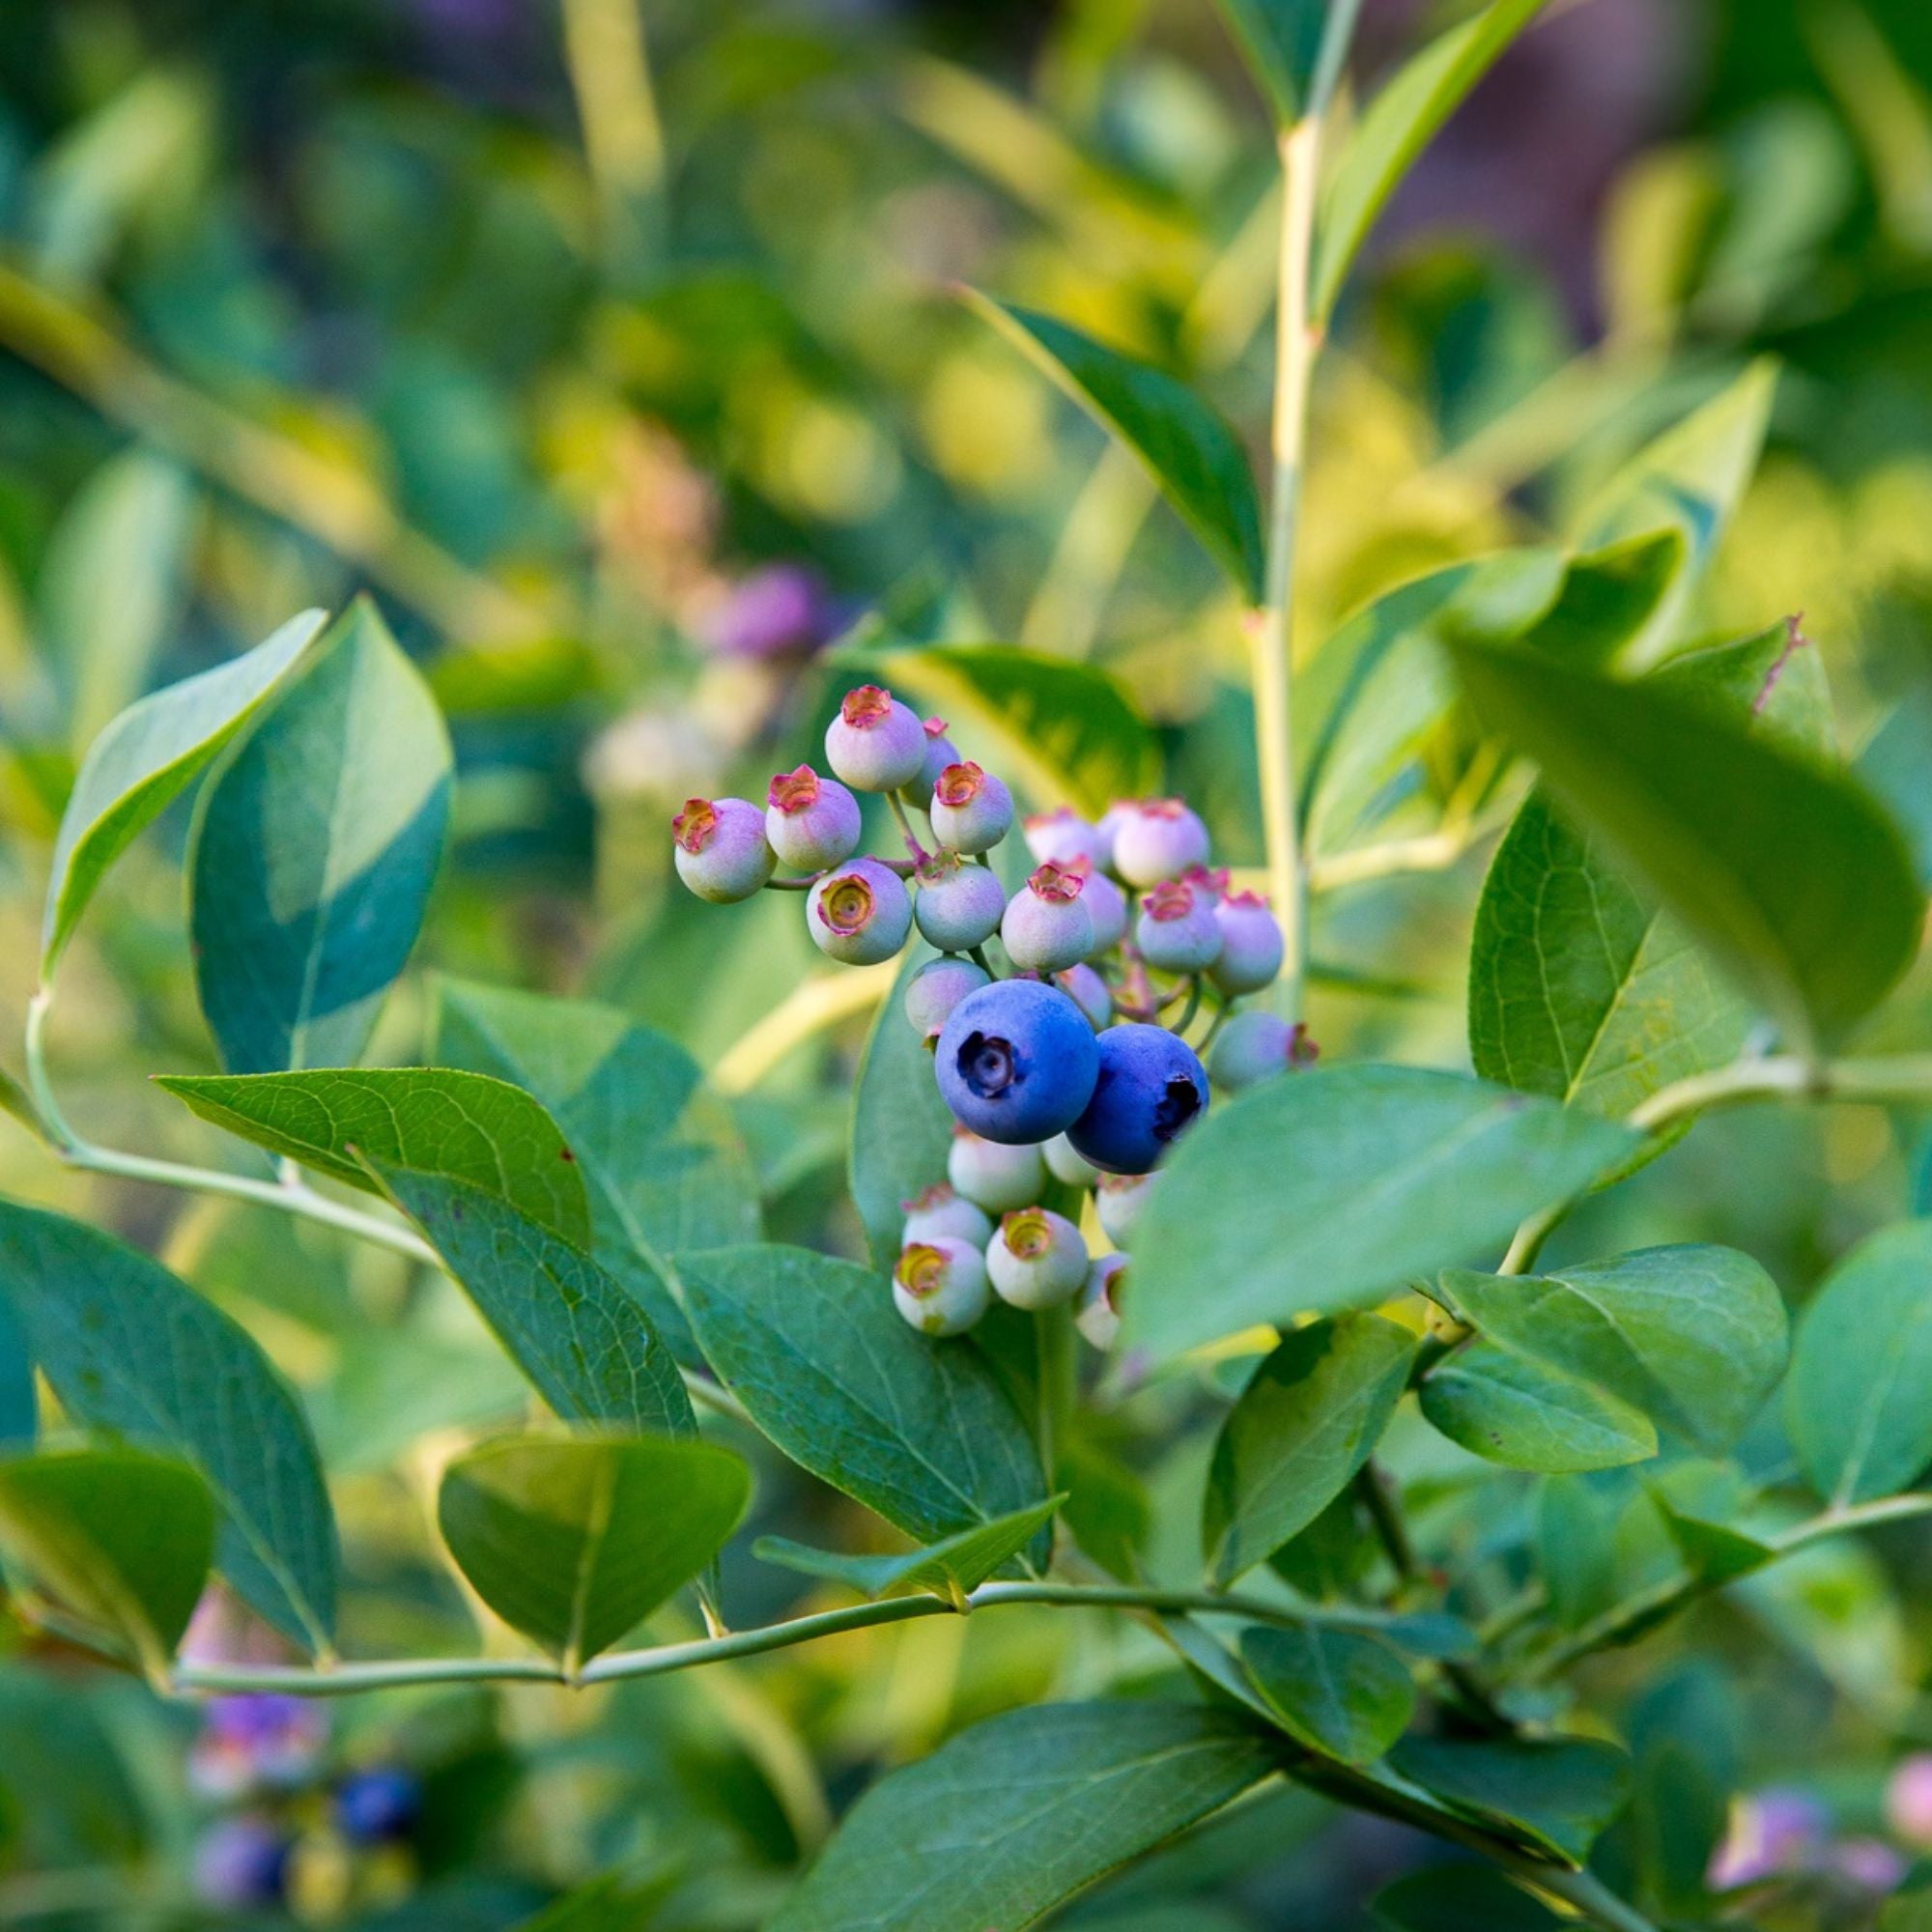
[(810, 822), (860, 914), (242, 1862), (1151, 1087), (1097, 1315), (1175, 931), (940, 753), (1157, 839), (972, 810), (936, 988), (958, 906), (939, 1211), (1047, 928), (1063, 838), (1036, 1259), (720, 849), (379, 1804), (1252, 948), (1016, 1063), (875, 743), (940, 1285), (992, 1176), (1255, 1046)]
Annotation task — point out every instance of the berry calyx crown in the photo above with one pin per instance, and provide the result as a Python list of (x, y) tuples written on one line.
[(921, 1268), (866, 705), (846, 905), (693, 826), (794, 790), (1057, 885), (1027, 1232), (1171, 898), (960, 784)]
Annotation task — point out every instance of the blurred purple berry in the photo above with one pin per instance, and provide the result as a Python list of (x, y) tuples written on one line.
[(1063, 838), (780, 610), (1770, 1831), (940, 751), (1106, 906), (1908, 1799), (1251, 943), (1158, 839), (240, 1861), (1176, 930)]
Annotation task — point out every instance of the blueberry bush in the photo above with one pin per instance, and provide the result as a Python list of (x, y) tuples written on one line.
[(1018, 1172)]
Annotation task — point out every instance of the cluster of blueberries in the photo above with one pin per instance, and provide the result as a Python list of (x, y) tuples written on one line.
[(1062, 1069)]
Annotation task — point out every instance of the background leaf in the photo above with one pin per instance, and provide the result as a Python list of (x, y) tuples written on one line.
[(947, 1569), (1280, 40), (920, 1431), (314, 853), (433, 1120), (1007, 1819), (129, 1348), (1340, 1692), (573, 1542), (1460, 1898), (121, 1538), (1523, 1412), (1330, 1189), (1559, 1792), (1190, 451), (1308, 1419), (146, 758)]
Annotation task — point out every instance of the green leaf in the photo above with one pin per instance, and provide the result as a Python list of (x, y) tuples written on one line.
[(1688, 480), (19, 1406), (1007, 1819), (1332, 1189), (1462, 1899), (1308, 1420), (1858, 1403), (433, 1120), (948, 1569), (314, 852), (573, 1542), (145, 759), (1280, 40), (584, 1342), (1794, 878), (901, 1127), (1063, 732), (1580, 987), (1558, 1793), (1339, 1692), (131, 1350), (1522, 1412), (1397, 125), (1714, 1552), (1694, 1336), (662, 1162), (1188, 449), (919, 1431), (1608, 595), (122, 1539)]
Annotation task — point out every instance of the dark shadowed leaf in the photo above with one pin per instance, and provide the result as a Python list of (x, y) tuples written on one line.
[(573, 1542), (919, 1431), (19, 1408), (1330, 1189), (1559, 1793), (948, 1569), (131, 1350), (1192, 454), (314, 852), (1007, 1819), (1340, 1692), (1309, 1419), (1526, 1414), (145, 759), (1280, 40), (119, 1537), (1462, 1899), (433, 1120), (901, 1127)]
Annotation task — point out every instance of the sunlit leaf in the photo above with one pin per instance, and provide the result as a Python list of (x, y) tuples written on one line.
[(1523, 1412)]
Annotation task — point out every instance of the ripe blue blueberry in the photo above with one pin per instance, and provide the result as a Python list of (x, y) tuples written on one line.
[(1036, 1259), (875, 743), (1097, 1316), (972, 810), (1151, 1087), (1063, 838), (1176, 930), (1119, 1200), (377, 1804), (958, 906), (939, 1211), (1251, 943), (1255, 1046), (1017, 1064), (860, 913), (1157, 839), (720, 848), (810, 822), (940, 1286), (992, 1176), (242, 1862), (1088, 991), (940, 751), (1047, 928), (936, 988)]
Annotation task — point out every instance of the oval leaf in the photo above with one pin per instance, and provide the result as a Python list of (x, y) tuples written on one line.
[(129, 1348), (1001, 1824), (1558, 1793), (1520, 1412), (314, 853), (1340, 1692), (901, 1127), (145, 759), (920, 1431), (950, 1568), (1330, 1189), (573, 1542)]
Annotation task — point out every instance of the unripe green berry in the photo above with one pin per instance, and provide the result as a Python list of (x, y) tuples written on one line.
[(1098, 1316), (995, 1177), (940, 1211), (1065, 1163), (1119, 1200), (957, 907), (971, 811), (936, 988), (1036, 1259), (860, 914), (1046, 928), (940, 1286)]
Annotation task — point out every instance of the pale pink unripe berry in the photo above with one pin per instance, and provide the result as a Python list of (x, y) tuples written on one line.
[(1088, 991), (994, 1177), (1211, 883), (810, 821), (1098, 1315), (875, 743), (1158, 839), (1067, 1163), (936, 988), (1908, 1799), (970, 810), (1119, 1200), (1063, 838), (958, 906), (1046, 927), (860, 914), (1251, 945), (1036, 1259), (940, 751), (1107, 829), (1255, 1046), (1106, 906), (940, 1286), (939, 1211), (720, 848), (1176, 930)]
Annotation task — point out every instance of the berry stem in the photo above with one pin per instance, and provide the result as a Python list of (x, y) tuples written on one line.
[(978, 955), (798, 885), (1193, 1005), (898, 804)]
